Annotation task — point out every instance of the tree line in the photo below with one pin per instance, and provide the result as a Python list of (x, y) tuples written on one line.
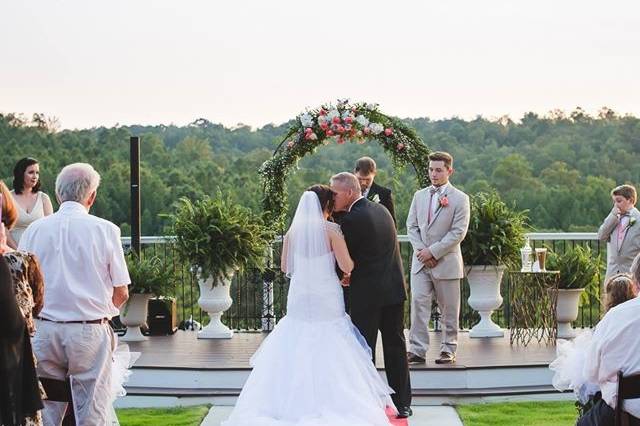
[(560, 166)]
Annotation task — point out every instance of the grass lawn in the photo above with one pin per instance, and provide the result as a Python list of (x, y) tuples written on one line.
[(556, 413), (178, 416)]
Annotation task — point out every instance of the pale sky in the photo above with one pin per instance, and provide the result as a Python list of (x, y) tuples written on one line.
[(93, 63)]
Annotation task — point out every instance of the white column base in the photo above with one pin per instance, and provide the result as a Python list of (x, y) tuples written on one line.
[(486, 327), (215, 329), (133, 335)]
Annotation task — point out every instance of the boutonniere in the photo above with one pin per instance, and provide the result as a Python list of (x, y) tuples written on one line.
[(632, 221), (375, 198), (444, 201)]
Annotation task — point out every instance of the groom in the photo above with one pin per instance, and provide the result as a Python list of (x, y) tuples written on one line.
[(377, 281)]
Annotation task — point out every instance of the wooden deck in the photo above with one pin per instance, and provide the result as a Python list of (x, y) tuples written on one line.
[(181, 366), (184, 351)]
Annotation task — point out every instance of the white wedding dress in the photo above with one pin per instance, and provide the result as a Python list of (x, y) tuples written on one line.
[(315, 368)]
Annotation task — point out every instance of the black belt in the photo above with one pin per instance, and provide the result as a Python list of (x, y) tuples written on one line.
[(98, 321)]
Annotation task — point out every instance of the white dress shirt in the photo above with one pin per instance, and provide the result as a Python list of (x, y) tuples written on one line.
[(82, 261), (616, 347)]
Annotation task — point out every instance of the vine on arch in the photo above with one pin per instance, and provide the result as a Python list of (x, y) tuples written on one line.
[(340, 123)]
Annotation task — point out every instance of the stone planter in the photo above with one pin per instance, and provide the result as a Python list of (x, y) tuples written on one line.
[(215, 300), (484, 285), (134, 315), (567, 311)]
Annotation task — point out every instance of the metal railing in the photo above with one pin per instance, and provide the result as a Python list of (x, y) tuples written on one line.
[(260, 299)]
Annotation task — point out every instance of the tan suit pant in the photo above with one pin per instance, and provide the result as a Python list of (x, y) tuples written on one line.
[(447, 292), (83, 352)]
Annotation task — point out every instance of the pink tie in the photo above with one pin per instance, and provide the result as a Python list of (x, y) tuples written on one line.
[(620, 231)]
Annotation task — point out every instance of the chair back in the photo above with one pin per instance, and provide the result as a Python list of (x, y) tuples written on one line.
[(628, 388), (60, 391)]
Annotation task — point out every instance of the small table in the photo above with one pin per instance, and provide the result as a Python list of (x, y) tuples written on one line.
[(532, 306)]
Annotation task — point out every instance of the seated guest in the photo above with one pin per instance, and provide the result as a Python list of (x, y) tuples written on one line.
[(618, 230), (569, 365), (615, 347), (84, 267), (19, 393)]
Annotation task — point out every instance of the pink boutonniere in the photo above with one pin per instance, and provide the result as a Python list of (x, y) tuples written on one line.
[(444, 201)]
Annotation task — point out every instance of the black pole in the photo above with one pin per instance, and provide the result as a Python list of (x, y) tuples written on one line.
[(135, 193)]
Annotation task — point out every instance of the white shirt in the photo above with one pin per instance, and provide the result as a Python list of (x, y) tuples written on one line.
[(81, 259), (435, 198), (615, 347)]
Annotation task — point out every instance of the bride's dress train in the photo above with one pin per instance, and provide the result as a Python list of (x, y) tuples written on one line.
[(315, 368)]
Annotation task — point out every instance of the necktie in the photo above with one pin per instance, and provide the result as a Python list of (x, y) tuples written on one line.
[(433, 191), (621, 228)]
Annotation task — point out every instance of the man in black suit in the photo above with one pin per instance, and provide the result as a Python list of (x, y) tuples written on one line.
[(377, 281), (365, 170)]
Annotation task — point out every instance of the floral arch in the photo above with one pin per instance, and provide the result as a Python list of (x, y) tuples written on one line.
[(340, 123)]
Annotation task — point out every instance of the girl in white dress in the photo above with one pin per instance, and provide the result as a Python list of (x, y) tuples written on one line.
[(315, 367), (569, 364)]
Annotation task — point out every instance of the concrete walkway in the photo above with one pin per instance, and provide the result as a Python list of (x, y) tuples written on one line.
[(422, 416)]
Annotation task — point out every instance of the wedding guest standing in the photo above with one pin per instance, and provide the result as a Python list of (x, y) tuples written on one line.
[(437, 223), (32, 203), (86, 282), (620, 230), (19, 393)]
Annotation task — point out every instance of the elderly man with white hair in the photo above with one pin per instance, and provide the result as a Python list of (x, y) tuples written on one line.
[(86, 282)]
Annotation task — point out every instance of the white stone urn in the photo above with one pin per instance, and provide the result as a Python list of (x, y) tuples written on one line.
[(484, 283), (214, 301), (133, 315), (567, 311)]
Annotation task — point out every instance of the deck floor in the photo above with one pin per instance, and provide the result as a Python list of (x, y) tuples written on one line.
[(184, 351)]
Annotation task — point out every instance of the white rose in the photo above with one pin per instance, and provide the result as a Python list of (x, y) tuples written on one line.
[(372, 107), (376, 128), (362, 120), (306, 120), (376, 198), (332, 114)]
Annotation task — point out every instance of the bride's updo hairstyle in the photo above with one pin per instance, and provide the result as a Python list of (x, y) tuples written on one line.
[(325, 195), (618, 289)]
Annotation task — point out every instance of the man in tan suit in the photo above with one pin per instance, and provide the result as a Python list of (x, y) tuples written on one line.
[(621, 231), (437, 223)]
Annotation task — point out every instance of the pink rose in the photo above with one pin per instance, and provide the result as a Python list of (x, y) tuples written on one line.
[(348, 120), (324, 126), (366, 130), (329, 132), (400, 146), (340, 140), (290, 144), (444, 201), (336, 120), (388, 131)]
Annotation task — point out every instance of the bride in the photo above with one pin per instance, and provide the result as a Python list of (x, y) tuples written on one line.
[(315, 367)]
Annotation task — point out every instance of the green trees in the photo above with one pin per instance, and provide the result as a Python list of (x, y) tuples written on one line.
[(560, 167)]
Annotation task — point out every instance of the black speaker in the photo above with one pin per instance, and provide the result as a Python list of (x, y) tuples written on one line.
[(162, 318)]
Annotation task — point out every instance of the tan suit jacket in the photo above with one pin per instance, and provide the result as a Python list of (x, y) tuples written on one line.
[(443, 235), (620, 256)]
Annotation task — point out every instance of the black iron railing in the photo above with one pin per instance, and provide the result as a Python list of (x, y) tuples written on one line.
[(260, 299)]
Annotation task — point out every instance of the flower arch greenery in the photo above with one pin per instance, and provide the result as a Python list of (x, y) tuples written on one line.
[(340, 123)]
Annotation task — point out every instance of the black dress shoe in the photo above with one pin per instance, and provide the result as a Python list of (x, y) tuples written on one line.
[(446, 358), (404, 412), (415, 359)]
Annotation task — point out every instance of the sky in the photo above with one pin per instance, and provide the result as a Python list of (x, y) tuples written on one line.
[(101, 63)]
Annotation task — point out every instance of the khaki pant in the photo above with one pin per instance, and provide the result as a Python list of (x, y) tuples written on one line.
[(84, 353), (447, 292)]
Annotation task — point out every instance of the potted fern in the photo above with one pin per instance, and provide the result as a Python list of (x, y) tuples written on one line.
[(578, 272), (149, 277), (218, 238), (493, 241)]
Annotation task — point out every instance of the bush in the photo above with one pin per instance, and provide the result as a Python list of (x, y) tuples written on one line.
[(496, 232)]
